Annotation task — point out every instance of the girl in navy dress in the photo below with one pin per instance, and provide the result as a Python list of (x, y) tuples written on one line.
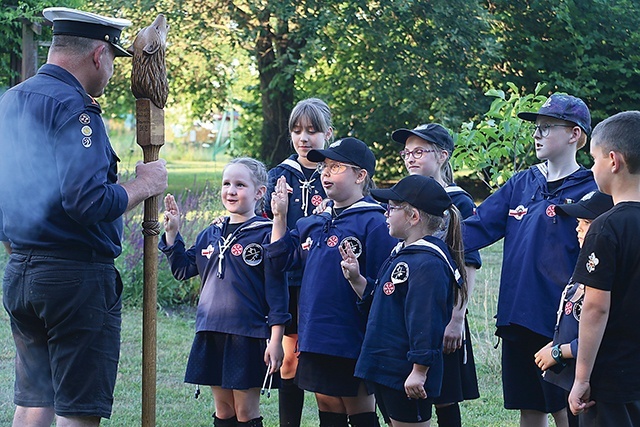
[(243, 299), (331, 327), (411, 301), (310, 128)]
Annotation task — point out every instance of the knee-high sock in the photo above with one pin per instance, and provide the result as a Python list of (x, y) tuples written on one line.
[(290, 402), (364, 419), (332, 419), (449, 416)]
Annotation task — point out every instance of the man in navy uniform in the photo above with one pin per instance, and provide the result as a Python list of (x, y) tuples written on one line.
[(62, 206)]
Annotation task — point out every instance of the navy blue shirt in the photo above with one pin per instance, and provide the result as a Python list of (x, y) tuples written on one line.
[(242, 293), (58, 171), (540, 247), (329, 319), (412, 304)]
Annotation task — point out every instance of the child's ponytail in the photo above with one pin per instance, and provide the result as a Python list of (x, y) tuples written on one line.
[(454, 241)]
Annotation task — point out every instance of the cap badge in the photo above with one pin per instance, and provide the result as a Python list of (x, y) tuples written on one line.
[(547, 103), (400, 273), (336, 144)]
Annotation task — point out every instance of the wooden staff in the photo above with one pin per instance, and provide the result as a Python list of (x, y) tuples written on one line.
[(150, 135)]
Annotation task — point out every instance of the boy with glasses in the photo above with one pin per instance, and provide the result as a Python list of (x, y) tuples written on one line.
[(540, 251)]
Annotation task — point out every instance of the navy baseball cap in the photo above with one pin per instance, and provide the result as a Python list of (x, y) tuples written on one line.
[(72, 22), (591, 206), (422, 192), (432, 132), (348, 150), (564, 107)]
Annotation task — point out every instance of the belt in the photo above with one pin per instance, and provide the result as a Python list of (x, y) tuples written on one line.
[(74, 255)]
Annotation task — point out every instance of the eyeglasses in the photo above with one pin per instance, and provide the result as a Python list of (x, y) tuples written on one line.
[(417, 153), (333, 168), (391, 207), (546, 128)]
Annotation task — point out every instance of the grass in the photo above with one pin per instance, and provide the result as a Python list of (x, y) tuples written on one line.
[(175, 404)]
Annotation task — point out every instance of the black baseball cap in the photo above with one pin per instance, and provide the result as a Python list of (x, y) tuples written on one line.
[(78, 23), (348, 150), (431, 132), (422, 192), (591, 206), (564, 107)]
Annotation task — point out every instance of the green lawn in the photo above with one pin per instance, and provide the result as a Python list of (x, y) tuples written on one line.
[(175, 402)]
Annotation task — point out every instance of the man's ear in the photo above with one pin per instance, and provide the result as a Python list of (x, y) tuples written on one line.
[(617, 161), (97, 55)]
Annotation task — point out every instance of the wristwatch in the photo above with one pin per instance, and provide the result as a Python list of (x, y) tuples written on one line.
[(556, 353)]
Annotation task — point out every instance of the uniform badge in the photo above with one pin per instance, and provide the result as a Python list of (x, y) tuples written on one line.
[(518, 212), (86, 142), (356, 246), (207, 252), (400, 273), (332, 241), (84, 119), (388, 288), (236, 250), (252, 254), (551, 211), (592, 262), (568, 308), (86, 130), (307, 244), (316, 200)]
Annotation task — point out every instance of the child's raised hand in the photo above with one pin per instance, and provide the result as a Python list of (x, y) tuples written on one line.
[(280, 198), (171, 218), (350, 265)]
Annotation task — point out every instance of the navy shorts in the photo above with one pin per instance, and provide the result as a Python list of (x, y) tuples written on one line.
[(523, 386), (605, 414), (330, 375), (229, 361), (65, 319), (396, 405)]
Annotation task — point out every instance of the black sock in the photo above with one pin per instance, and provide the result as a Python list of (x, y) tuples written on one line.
[(227, 422), (290, 402), (256, 422), (365, 419), (449, 416), (332, 419)]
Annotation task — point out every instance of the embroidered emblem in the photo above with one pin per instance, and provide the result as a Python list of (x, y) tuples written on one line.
[(592, 262), (316, 200), (356, 246), (86, 130), (551, 211), (236, 250), (518, 212), (207, 252), (577, 309), (332, 241), (84, 119), (400, 273), (252, 254), (307, 244), (547, 103), (388, 288), (568, 308), (86, 142)]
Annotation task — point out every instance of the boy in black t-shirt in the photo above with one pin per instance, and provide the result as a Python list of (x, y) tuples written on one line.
[(606, 391)]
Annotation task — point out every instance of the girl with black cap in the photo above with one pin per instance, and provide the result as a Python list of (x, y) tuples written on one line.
[(411, 301)]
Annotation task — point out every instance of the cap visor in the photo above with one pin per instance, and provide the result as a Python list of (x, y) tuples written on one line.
[(120, 51), (401, 135), (530, 117), (386, 194), (576, 210), (321, 155)]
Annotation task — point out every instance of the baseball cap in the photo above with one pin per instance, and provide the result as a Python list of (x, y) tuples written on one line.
[(73, 22), (348, 150), (422, 192), (564, 107), (431, 132), (591, 206)]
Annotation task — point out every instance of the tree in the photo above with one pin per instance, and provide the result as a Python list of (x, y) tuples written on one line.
[(584, 47)]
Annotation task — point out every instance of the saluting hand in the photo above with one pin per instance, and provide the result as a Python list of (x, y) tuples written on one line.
[(280, 198), (349, 264), (171, 218)]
